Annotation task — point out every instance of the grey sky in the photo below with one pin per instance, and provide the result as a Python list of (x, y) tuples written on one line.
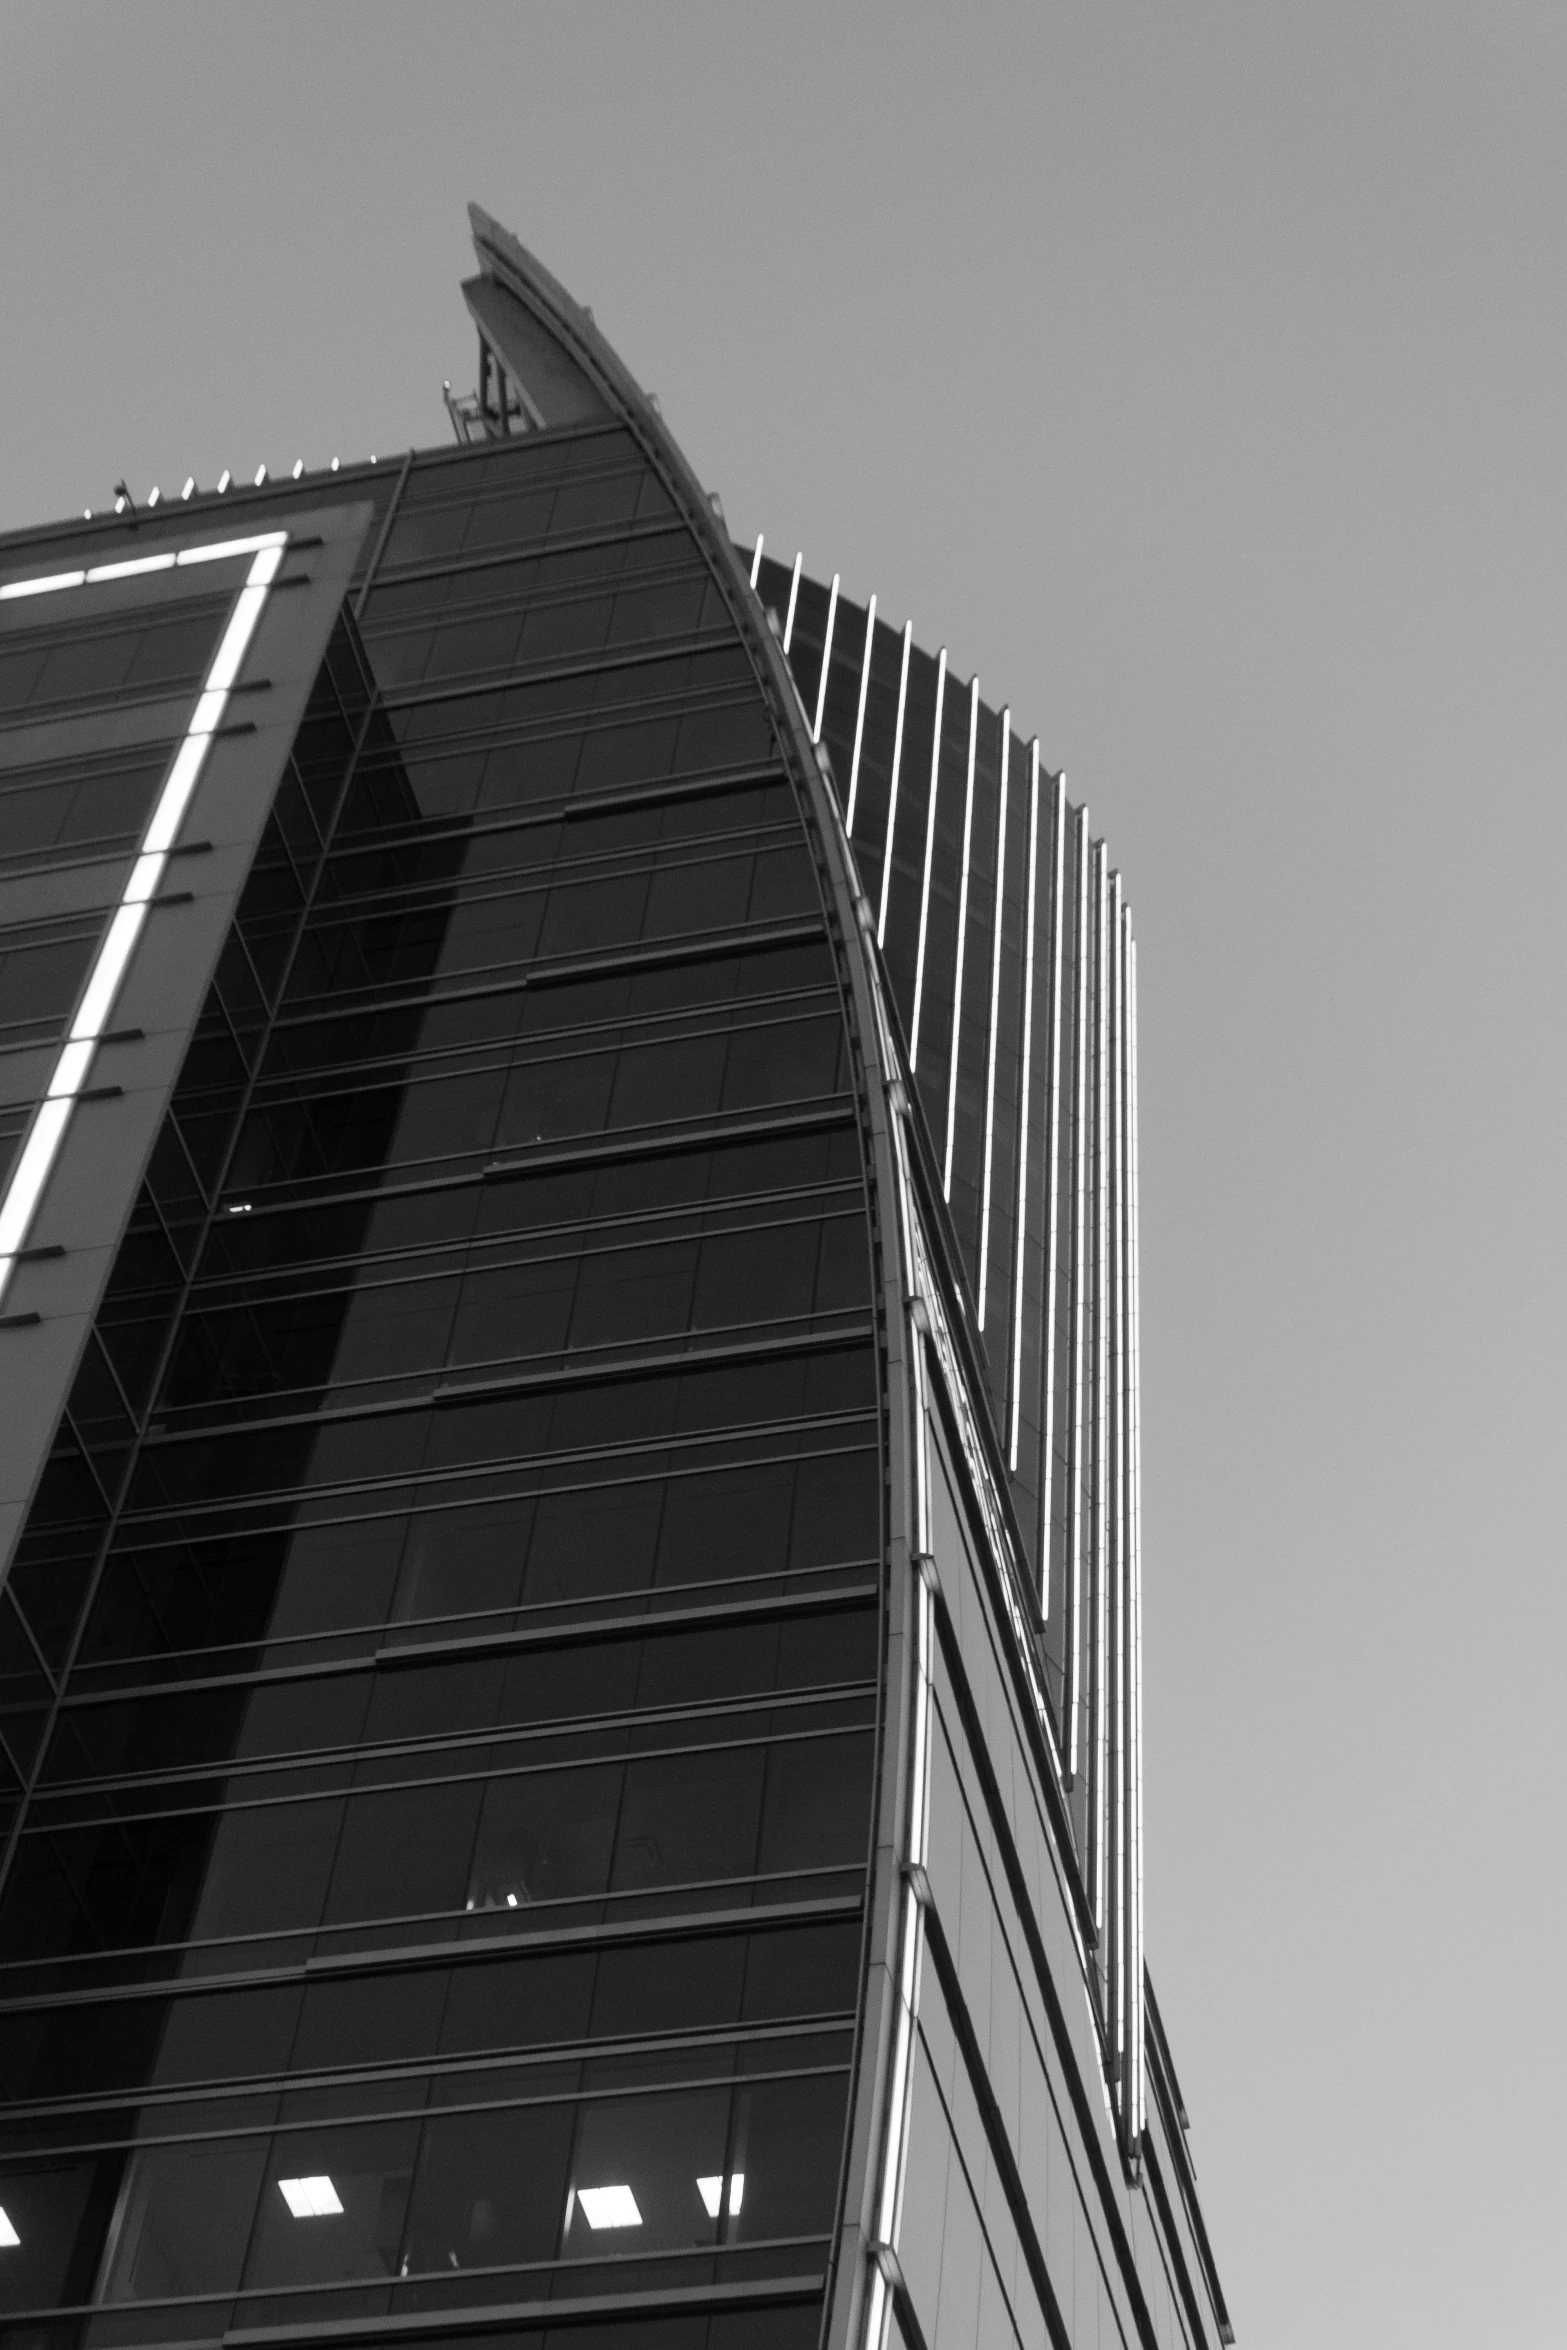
[(1198, 377)]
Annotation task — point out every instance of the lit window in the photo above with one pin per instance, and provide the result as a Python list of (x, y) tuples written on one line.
[(609, 2207), (310, 2198), (712, 2193), (8, 2234)]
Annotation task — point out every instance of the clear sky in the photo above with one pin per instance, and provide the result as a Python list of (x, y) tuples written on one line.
[(1197, 375)]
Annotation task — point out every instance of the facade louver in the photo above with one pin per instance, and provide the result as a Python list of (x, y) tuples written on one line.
[(569, 1652)]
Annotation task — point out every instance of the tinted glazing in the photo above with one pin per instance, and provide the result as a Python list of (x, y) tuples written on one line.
[(441, 1665)]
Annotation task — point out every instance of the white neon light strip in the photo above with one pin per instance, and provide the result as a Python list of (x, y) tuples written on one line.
[(794, 597), (892, 794), (859, 716), (1021, 1234), (1137, 1553), (821, 690), (756, 560), (1076, 1299), (995, 1012), (20, 1198), (895, 2145), (1116, 1709), (957, 991), (1097, 1728), (1047, 1382), (930, 845)]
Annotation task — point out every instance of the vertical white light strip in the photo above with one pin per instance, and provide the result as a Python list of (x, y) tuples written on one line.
[(892, 794), (1097, 1739), (821, 690), (756, 559), (794, 597), (911, 1939), (1116, 1548), (930, 844), (1135, 1389), (859, 716), (995, 1011), (1020, 1232), (36, 1159), (957, 987), (1052, 1147), (1077, 1294)]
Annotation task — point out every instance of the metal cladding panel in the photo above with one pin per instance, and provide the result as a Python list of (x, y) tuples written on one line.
[(1036, 1097)]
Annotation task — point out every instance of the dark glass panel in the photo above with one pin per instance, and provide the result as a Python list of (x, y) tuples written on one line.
[(234, 1783)]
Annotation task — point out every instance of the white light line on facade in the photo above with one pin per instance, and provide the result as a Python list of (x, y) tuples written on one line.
[(133, 569), (22, 1193), (957, 988), (220, 550), (859, 716), (41, 587), (1052, 1148), (930, 846), (892, 794), (821, 690), (1077, 1298), (1020, 1232), (995, 1011), (900, 2083), (1098, 1595), (756, 559), (794, 597), (1136, 1725), (1116, 1692)]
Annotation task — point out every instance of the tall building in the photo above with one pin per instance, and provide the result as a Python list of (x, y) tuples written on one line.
[(571, 1661)]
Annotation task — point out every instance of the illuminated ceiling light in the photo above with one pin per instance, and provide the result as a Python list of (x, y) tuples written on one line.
[(712, 2193), (9, 2238), (609, 2207), (190, 483), (261, 475), (153, 499), (511, 1901), (299, 467), (87, 514), (334, 465), (224, 478), (315, 2198)]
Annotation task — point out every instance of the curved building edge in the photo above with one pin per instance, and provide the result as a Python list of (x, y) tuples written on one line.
[(1014, 2162), (961, 1595)]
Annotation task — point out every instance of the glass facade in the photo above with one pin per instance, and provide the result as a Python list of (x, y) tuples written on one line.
[(523, 1617)]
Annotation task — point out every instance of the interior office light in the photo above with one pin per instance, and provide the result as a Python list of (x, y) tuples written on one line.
[(712, 2193), (609, 2207), (224, 478), (314, 2198), (299, 467), (190, 484), (9, 2238)]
